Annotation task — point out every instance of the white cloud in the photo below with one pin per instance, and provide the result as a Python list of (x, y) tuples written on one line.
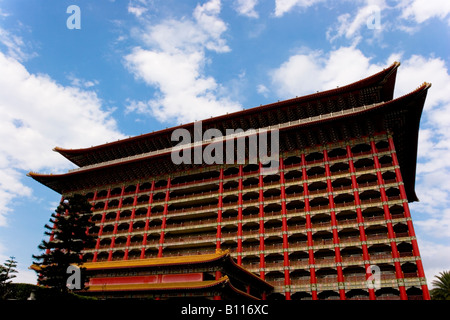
[(175, 66), (14, 45), (367, 17), (435, 258), (246, 8), (284, 6), (138, 7), (422, 10), (310, 71), (262, 89), (81, 83), (37, 114)]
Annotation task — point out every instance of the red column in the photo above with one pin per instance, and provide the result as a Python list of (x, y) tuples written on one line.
[(219, 211), (388, 219), (412, 234), (239, 234), (163, 225), (219, 224), (337, 250), (147, 220), (360, 219), (130, 229), (262, 263), (100, 232), (287, 279), (116, 224), (311, 260)]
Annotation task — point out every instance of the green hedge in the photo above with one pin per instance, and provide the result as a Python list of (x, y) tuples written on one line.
[(21, 291)]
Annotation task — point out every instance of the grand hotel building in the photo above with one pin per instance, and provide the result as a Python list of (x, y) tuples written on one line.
[(335, 210)]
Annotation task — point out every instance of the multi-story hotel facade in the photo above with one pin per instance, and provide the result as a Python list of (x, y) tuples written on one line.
[(332, 221)]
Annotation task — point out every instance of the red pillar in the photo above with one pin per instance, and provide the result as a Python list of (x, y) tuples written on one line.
[(388, 219), (130, 229), (219, 224), (100, 231), (311, 260), (337, 250), (239, 234), (219, 211), (287, 279), (116, 224), (360, 219), (262, 263), (147, 220), (412, 234), (163, 225)]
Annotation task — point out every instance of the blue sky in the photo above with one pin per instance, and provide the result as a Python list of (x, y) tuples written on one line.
[(141, 65)]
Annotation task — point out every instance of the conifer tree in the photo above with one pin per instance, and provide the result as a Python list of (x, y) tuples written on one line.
[(7, 271), (71, 222)]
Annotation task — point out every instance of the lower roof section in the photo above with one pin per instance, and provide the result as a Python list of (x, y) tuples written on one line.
[(220, 261)]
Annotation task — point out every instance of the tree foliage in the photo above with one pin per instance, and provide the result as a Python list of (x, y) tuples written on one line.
[(441, 290), (7, 271), (68, 237)]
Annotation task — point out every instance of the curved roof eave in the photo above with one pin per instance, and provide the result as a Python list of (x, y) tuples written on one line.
[(381, 77)]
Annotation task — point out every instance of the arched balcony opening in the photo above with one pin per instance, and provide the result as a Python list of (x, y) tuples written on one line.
[(250, 182), (99, 205), (318, 202), (388, 175), (328, 295), (339, 167), (250, 168), (382, 144), (317, 187), (145, 186), (300, 295), (292, 160), (231, 171), (364, 163), (126, 214), (134, 254), (357, 294), (414, 293), (161, 183), (118, 255), (108, 229), (344, 199), (315, 156), (370, 195), (293, 175), (341, 183), (385, 160), (116, 192), (113, 204), (337, 152), (272, 178), (387, 294), (373, 214), (131, 188), (128, 201), (102, 256), (101, 194), (366, 179), (315, 171), (360, 148)]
